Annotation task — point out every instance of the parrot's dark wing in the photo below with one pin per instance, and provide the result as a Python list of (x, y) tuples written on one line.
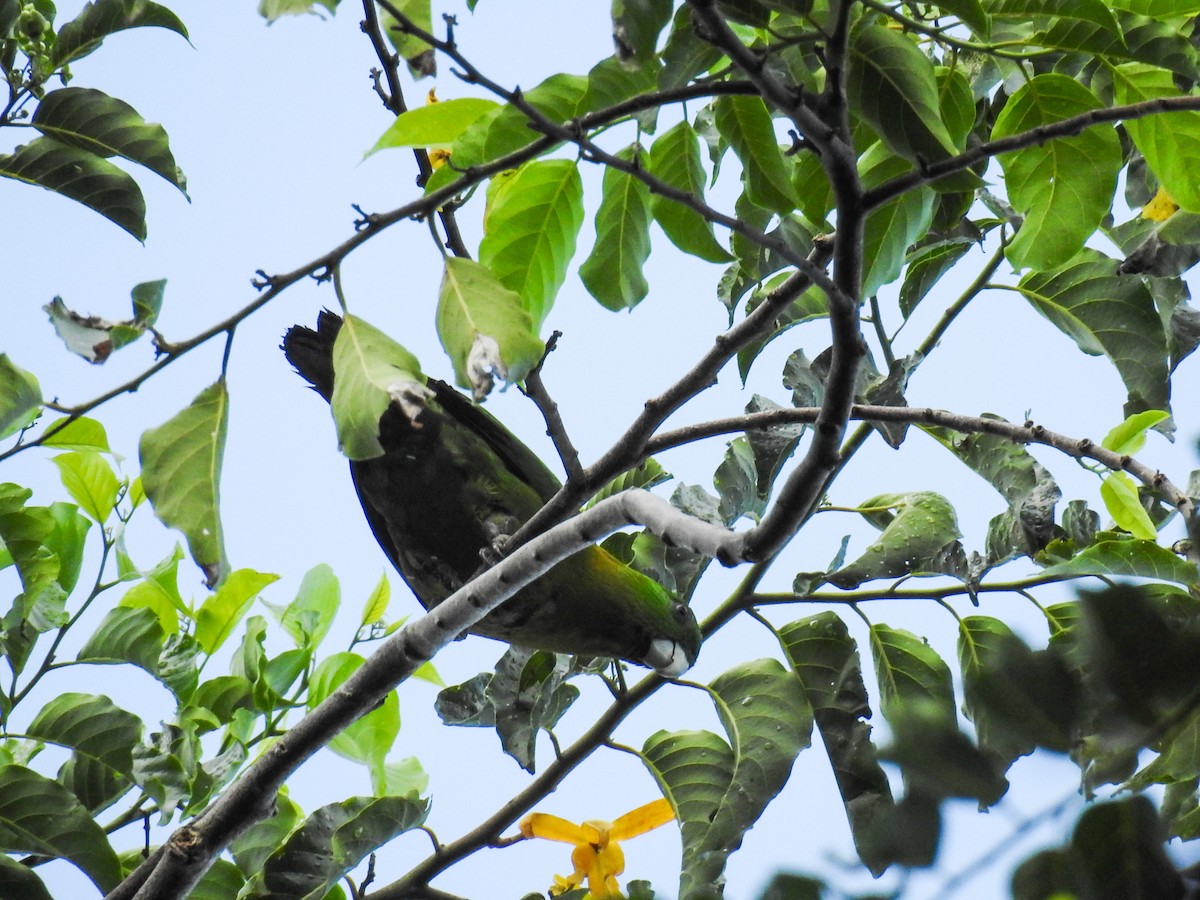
[(519, 459), (451, 482), (311, 353)]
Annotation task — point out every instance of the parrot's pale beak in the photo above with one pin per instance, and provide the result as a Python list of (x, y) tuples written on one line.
[(667, 657)]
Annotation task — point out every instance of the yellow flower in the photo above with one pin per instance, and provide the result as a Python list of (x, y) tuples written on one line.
[(597, 856), (438, 157)]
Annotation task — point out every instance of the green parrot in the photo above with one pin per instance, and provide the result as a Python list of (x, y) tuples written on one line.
[(451, 483)]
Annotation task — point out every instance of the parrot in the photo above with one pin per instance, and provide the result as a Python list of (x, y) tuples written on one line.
[(452, 484)]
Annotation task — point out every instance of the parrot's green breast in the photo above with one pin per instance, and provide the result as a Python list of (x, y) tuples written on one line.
[(451, 483)]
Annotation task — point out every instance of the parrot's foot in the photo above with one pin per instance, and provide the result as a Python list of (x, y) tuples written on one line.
[(494, 552)]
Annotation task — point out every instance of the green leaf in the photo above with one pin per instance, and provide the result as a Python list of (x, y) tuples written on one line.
[(1011, 469), (225, 607), (66, 541), (20, 398), (126, 635), (1157, 43), (893, 227), (80, 176), (926, 266), (890, 83), (307, 618), (181, 471), (376, 605), (222, 881), (612, 273), (675, 158), (502, 131), (532, 219), (1018, 699), (90, 481), (370, 372), (40, 816), (636, 26), (76, 434), (92, 726), (910, 672), (159, 591), (254, 846), (485, 328), (1113, 556), (405, 778), (1164, 140), (957, 104), (434, 125), (100, 18), (685, 54), (720, 790), (1063, 187), (1178, 757), (527, 693), (938, 760), (746, 124), (646, 475), (104, 126), (971, 12), (1130, 436), (166, 767), (415, 52), (369, 738), (1078, 11), (1119, 846), (1120, 496), (923, 526), (335, 839), (1104, 312), (20, 881), (272, 10)]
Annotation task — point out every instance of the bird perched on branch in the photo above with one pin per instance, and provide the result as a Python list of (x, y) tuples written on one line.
[(451, 483)]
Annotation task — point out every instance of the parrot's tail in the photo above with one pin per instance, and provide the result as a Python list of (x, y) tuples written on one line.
[(311, 352)]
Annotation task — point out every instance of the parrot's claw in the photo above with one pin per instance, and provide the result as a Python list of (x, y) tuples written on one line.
[(667, 657), (494, 552)]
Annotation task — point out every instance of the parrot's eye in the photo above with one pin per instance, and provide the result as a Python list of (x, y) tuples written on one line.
[(680, 611)]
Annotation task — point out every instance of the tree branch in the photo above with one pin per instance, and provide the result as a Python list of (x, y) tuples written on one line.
[(174, 870), (931, 172), (1027, 433)]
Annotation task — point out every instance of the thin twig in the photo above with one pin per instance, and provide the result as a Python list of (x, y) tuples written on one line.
[(535, 390)]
